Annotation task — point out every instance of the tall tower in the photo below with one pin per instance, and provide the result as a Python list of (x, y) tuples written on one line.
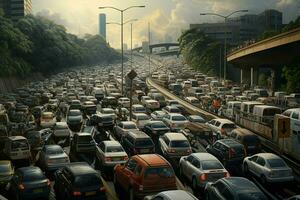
[(102, 25), (16, 9)]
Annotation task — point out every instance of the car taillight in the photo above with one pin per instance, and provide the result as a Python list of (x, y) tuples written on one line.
[(21, 187), (203, 177), (102, 189), (141, 187), (76, 193), (231, 152), (108, 159), (171, 150), (226, 174), (48, 182)]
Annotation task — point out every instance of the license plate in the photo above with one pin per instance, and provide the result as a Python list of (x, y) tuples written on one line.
[(37, 190), (116, 159), (90, 193)]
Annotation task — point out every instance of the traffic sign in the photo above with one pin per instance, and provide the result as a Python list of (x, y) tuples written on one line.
[(284, 127), (132, 74)]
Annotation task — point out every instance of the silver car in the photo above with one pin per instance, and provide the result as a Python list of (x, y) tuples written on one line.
[(123, 127), (52, 157), (172, 195), (175, 121), (201, 168), (109, 154), (269, 167), (174, 145)]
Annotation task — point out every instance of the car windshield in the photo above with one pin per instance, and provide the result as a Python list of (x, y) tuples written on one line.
[(163, 172), (54, 150), (211, 164), (113, 149), (178, 118), (87, 180), (179, 143), (130, 126), (159, 125), (33, 175), (5, 168), (276, 163), (143, 143), (140, 109), (74, 113), (143, 117), (19, 144)]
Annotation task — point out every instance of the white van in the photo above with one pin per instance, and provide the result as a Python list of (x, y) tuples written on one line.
[(17, 148), (247, 106), (231, 107), (265, 114)]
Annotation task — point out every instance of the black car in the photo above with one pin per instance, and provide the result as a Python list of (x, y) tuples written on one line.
[(230, 152), (137, 142), (30, 183), (37, 139), (78, 181), (155, 128), (109, 102), (233, 188)]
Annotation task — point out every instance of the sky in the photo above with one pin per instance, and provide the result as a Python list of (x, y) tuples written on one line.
[(167, 18)]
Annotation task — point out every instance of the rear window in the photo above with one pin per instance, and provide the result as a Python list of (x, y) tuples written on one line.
[(5, 168), (130, 126), (163, 172), (143, 143), (143, 117), (159, 125), (179, 143), (84, 139), (178, 118), (276, 163), (54, 151), (113, 149), (87, 180), (140, 109), (33, 176), (19, 144), (251, 140), (212, 164)]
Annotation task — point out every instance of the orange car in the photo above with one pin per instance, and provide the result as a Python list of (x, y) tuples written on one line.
[(145, 175)]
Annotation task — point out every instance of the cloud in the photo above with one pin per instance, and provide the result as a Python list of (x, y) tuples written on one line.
[(167, 17)]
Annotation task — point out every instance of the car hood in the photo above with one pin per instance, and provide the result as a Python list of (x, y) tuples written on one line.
[(115, 154)]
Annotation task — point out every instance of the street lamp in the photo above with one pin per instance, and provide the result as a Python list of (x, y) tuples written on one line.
[(122, 49), (225, 17)]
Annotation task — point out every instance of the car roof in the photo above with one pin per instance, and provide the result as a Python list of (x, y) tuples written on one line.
[(17, 138), (80, 168), (268, 156), (152, 160), (82, 134), (26, 170), (52, 146), (127, 122), (175, 114), (239, 184), (230, 142), (178, 195), (111, 143), (175, 136), (138, 134), (204, 156), (5, 162)]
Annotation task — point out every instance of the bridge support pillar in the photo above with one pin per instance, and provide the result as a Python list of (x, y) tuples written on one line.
[(241, 76), (253, 76)]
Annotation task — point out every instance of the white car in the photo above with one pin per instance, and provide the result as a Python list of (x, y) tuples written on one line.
[(140, 119), (144, 98), (137, 108), (109, 154), (175, 121), (221, 127), (109, 111), (269, 167), (124, 102), (201, 168), (152, 104), (158, 115), (52, 157), (123, 127)]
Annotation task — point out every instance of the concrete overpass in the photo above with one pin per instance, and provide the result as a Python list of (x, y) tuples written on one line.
[(152, 46), (274, 53)]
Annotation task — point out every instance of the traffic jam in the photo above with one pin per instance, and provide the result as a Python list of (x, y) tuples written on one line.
[(174, 134)]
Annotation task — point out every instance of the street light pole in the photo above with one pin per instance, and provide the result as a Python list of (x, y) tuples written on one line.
[(122, 49), (225, 38), (131, 45)]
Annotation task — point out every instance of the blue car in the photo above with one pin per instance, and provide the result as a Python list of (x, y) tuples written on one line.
[(30, 183)]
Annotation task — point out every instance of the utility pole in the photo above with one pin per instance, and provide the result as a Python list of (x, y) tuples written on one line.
[(149, 48), (131, 45)]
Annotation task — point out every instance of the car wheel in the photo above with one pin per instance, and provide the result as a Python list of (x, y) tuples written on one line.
[(131, 194), (194, 183), (246, 169)]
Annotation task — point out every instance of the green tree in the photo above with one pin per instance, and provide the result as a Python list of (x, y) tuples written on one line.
[(291, 74)]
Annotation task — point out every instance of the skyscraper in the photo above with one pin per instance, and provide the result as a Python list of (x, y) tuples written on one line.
[(16, 9), (102, 25)]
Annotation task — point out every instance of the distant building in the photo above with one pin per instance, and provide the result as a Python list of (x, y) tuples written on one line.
[(102, 25), (242, 28), (16, 9)]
